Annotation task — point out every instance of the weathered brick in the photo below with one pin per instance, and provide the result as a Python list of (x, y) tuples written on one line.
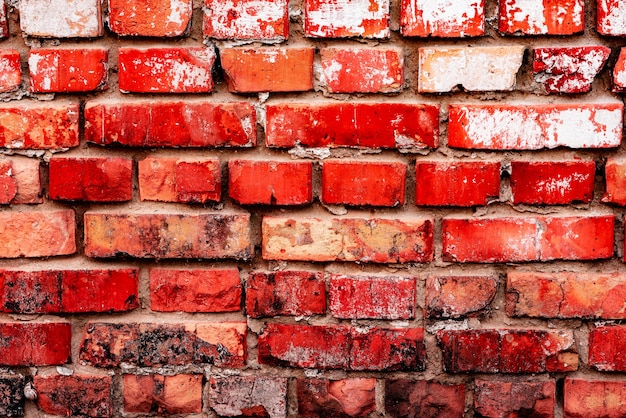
[(611, 17), (508, 351), (12, 398), (37, 234), (494, 399), (94, 179), (569, 69), (619, 72), (376, 240), (597, 398), (284, 182), (35, 343), (166, 70), (235, 396), (615, 176), (337, 398), (423, 398), (269, 69), (528, 239), (222, 344), (61, 19), (30, 292), (185, 180), (456, 183), (606, 345), (375, 297), (358, 182), (533, 127), (10, 65), (239, 19), (295, 293), (566, 295), (552, 182), (168, 235), (25, 172), (442, 18), (8, 183), (449, 296), (170, 124), (76, 395), (175, 394), (489, 68), (158, 18), (356, 125), (4, 24), (45, 125), (362, 70), (539, 17), (68, 70), (332, 19), (342, 347), (214, 290)]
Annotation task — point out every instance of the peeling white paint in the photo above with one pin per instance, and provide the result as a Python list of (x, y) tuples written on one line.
[(61, 18), (443, 15), (530, 11), (613, 20), (249, 13), (347, 16)]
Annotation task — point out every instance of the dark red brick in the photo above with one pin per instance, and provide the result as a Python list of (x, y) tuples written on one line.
[(495, 399), (235, 396), (35, 343), (12, 397), (85, 396), (31, 292), (157, 18), (114, 290), (606, 345), (239, 20), (329, 19), (422, 398)]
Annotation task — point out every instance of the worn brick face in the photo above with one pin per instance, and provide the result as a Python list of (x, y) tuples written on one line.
[(176, 394), (239, 19), (61, 19), (347, 397), (76, 395), (585, 397), (501, 398), (442, 18), (10, 67), (68, 70), (540, 17), (12, 397), (404, 397), (166, 18), (330, 19), (236, 396)]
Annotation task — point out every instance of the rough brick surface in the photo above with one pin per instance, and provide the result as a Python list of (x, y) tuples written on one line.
[(611, 18), (459, 296), (585, 398), (68, 70), (61, 19), (347, 397), (35, 343), (10, 68), (619, 72), (76, 395), (150, 18), (176, 394), (12, 397), (331, 19), (605, 344), (405, 397), (539, 17), (236, 396), (516, 398), (442, 18), (239, 19), (4, 24)]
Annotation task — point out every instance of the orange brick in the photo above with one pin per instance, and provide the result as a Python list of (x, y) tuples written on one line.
[(64, 70), (158, 18), (175, 394)]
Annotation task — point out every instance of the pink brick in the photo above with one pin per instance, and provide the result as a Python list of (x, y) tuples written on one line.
[(362, 70), (541, 17), (534, 127), (10, 66), (156, 18), (413, 398), (77, 395), (611, 17), (166, 70), (65, 70), (332, 19), (61, 19), (239, 19), (235, 396), (619, 72), (442, 18)]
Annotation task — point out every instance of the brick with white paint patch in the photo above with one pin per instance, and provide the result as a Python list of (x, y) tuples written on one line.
[(61, 18), (4, 24), (619, 72), (68, 70), (442, 18), (535, 126), (10, 70), (165, 18), (472, 69), (615, 174), (611, 18), (540, 17), (346, 18), (239, 19)]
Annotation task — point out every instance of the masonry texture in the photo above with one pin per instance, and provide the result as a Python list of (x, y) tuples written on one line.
[(312, 208)]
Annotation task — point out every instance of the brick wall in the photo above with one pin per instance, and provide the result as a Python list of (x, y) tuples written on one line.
[(405, 208)]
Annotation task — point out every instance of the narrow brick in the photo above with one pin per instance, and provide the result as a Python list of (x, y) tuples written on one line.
[(450, 296), (8, 183), (12, 397), (615, 176), (354, 125), (374, 240), (404, 397), (76, 395), (61, 19), (30, 292), (4, 24), (234, 396), (170, 124), (536, 17), (534, 127), (503, 398), (35, 343), (362, 18), (166, 70), (606, 345), (345, 397), (26, 174), (175, 394), (598, 398), (156, 18), (619, 71), (611, 17), (442, 18), (197, 290), (10, 65), (173, 235), (239, 20), (68, 70)]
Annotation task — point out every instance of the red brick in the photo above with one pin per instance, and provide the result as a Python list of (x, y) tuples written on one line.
[(597, 398), (357, 182), (456, 183), (170, 124), (171, 235), (541, 17), (64, 70), (442, 18), (337, 398), (331, 19), (449, 296), (533, 127), (284, 182), (30, 292), (341, 347), (422, 398), (222, 344), (362, 70), (569, 70), (240, 19), (61, 19), (166, 70), (114, 290), (10, 64), (35, 343), (494, 399), (615, 175), (76, 395), (508, 351), (384, 297), (8, 183), (528, 239), (235, 396), (215, 290), (606, 346), (26, 174), (552, 182), (37, 234), (355, 125), (619, 72), (375, 240), (611, 15), (270, 69), (158, 18), (566, 295), (4, 24), (175, 394), (12, 397), (295, 293), (92, 179), (45, 125)]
